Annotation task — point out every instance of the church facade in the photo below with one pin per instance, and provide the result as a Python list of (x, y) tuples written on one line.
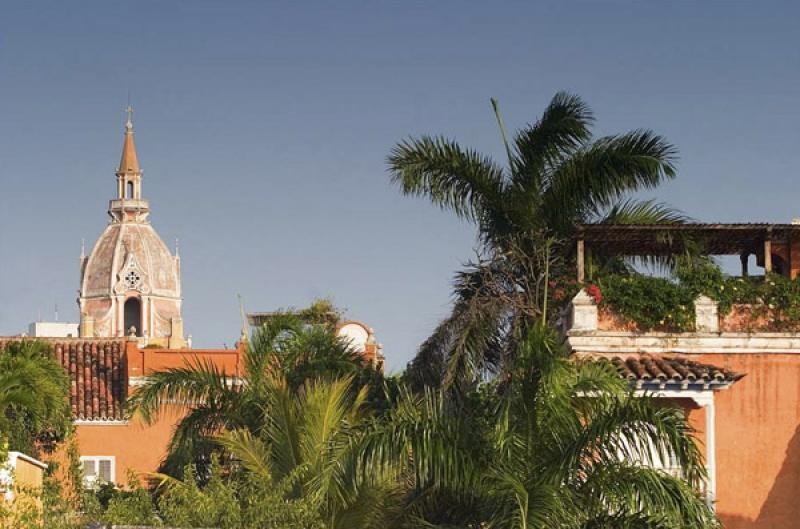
[(130, 282)]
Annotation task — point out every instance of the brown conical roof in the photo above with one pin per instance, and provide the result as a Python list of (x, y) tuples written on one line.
[(128, 163)]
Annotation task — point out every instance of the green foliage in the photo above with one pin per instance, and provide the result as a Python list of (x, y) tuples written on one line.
[(534, 451), (651, 302), (661, 303), (266, 504), (308, 448), (528, 450), (285, 344), (34, 409), (132, 506), (321, 312), (185, 504)]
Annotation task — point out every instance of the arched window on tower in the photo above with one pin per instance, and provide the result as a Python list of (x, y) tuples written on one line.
[(129, 194), (133, 317)]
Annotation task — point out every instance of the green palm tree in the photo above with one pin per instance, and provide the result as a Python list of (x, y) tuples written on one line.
[(557, 175), (214, 400), (309, 438), (34, 390), (559, 444)]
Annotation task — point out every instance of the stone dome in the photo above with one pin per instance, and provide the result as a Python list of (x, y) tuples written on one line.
[(130, 257)]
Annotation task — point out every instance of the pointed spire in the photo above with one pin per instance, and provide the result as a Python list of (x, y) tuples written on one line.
[(129, 164)]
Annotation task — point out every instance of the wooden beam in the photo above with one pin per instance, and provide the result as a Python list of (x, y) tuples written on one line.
[(767, 256), (580, 258)]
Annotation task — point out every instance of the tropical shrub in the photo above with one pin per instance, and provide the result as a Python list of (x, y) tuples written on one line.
[(668, 303), (650, 302), (34, 406), (285, 344), (560, 443)]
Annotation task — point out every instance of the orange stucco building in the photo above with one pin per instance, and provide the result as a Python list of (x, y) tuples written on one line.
[(749, 427), (103, 373), (126, 441)]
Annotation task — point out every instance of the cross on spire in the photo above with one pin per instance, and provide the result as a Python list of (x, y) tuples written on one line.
[(129, 163)]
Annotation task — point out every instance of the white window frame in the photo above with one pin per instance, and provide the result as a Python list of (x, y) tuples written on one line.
[(90, 481), (703, 398)]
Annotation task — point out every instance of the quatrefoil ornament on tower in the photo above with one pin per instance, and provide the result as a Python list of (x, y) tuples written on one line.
[(131, 277)]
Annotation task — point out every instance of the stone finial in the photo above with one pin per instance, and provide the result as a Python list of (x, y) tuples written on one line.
[(706, 314), (583, 312)]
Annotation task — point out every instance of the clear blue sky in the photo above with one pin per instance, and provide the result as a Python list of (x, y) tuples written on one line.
[(263, 129)]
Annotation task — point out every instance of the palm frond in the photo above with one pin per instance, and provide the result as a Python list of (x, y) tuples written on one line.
[(455, 179), (282, 429), (634, 492), (600, 174), (635, 429), (564, 127), (641, 212), (270, 344), (198, 382), (192, 441), (251, 452)]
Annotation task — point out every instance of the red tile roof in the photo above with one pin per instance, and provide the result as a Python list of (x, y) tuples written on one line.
[(671, 371), (97, 373)]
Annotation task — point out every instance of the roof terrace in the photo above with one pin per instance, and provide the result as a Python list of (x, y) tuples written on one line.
[(700, 298)]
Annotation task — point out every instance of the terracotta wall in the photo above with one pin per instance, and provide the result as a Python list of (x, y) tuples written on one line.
[(758, 441), (142, 362), (135, 445)]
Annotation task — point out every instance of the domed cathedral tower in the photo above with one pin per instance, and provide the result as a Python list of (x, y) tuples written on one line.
[(131, 283)]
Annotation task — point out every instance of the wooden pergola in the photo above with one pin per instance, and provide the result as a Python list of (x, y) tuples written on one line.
[(643, 240)]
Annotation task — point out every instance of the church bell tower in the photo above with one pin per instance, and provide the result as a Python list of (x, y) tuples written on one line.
[(130, 282)]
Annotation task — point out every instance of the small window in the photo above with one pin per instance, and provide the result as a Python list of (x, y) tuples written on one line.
[(98, 470), (130, 190)]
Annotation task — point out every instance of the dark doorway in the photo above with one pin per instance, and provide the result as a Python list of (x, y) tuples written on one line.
[(779, 265), (130, 190), (133, 316)]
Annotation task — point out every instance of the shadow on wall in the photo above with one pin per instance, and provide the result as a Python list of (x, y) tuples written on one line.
[(782, 508)]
